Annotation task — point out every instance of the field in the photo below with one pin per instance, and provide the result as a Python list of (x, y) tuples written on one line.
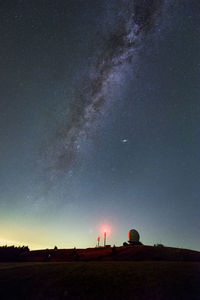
[(100, 280)]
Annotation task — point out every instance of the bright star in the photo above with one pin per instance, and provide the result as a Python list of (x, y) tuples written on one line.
[(124, 141)]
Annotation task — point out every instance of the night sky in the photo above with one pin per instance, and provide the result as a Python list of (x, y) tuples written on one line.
[(99, 122)]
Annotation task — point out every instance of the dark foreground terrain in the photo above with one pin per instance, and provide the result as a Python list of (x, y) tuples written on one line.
[(134, 253), (100, 280)]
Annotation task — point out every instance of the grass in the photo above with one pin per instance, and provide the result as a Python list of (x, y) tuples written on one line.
[(135, 253), (100, 280)]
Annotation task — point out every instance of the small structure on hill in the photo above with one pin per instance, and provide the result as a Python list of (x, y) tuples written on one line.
[(104, 238), (98, 240), (133, 238)]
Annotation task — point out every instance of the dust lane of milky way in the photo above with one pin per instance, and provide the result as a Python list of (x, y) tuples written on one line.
[(136, 20)]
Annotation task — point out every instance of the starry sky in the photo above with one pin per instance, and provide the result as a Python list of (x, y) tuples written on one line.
[(99, 122)]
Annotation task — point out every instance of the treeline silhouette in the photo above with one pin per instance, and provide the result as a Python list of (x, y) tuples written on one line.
[(12, 253)]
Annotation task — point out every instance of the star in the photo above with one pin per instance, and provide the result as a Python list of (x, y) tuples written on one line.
[(124, 141)]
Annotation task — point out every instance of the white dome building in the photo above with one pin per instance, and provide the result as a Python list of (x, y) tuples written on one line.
[(133, 237)]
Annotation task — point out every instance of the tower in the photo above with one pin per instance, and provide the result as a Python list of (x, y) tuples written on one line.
[(104, 238), (98, 240)]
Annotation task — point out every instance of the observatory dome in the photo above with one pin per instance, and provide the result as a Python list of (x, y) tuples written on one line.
[(133, 236)]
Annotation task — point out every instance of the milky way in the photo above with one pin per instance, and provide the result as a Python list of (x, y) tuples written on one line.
[(136, 20)]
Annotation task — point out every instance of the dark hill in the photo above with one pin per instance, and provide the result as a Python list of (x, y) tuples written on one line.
[(134, 253)]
